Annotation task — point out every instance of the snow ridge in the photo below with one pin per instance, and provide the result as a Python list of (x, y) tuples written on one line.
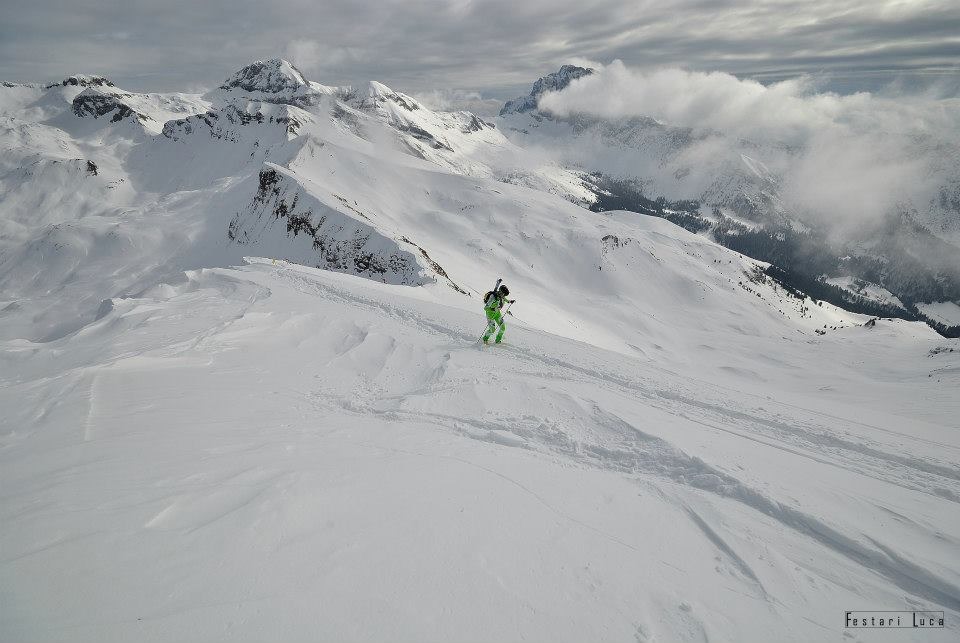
[(336, 241)]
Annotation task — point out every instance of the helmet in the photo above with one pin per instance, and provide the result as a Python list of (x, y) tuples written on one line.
[(504, 291)]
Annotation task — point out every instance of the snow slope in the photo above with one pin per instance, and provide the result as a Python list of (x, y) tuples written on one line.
[(947, 312), (201, 444)]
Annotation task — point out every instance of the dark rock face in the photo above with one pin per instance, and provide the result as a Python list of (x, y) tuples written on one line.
[(92, 168), (218, 123), (475, 125), (423, 135), (273, 81), (341, 243), (270, 77), (92, 103), (437, 268), (551, 82), (84, 81)]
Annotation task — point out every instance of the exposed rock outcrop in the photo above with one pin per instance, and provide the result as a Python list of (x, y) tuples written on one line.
[(221, 123), (550, 83), (91, 102), (83, 80), (337, 241)]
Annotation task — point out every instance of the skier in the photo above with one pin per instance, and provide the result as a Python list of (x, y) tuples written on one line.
[(492, 303)]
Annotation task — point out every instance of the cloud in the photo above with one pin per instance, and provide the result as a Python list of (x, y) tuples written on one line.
[(316, 59), (791, 110), (848, 161), (450, 100), (494, 46)]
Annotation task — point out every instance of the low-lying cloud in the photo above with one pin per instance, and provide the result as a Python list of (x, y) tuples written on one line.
[(452, 100), (790, 110), (846, 160)]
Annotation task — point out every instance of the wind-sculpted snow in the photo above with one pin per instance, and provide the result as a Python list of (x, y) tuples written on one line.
[(273, 414)]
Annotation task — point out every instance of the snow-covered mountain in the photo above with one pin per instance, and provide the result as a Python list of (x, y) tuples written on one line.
[(644, 148), (715, 181), (554, 82), (244, 398)]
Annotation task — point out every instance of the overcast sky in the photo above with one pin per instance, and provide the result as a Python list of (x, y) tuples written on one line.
[(497, 47)]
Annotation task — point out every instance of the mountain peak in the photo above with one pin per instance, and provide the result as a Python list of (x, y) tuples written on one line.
[(83, 80), (274, 76), (95, 103), (550, 83), (379, 91)]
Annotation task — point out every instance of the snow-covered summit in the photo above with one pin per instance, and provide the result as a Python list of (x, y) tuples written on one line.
[(379, 91), (83, 80), (91, 102), (551, 82), (272, 76), (271, 81)]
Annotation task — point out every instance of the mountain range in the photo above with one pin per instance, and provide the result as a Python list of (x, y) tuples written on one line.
[(244, 393), (907, 258)]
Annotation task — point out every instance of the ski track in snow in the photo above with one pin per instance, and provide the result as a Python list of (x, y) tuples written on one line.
[(589, 428), (604, 415), (623, 448), (806, 435)]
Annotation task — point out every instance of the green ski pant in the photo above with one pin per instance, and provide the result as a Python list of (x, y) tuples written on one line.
[(494, 319)]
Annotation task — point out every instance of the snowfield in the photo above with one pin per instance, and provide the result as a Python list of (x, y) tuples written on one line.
[(947, 312), (244, 399)]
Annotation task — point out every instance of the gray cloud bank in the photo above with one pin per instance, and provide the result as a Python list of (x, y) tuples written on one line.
[(492, 46), (847, 160)]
